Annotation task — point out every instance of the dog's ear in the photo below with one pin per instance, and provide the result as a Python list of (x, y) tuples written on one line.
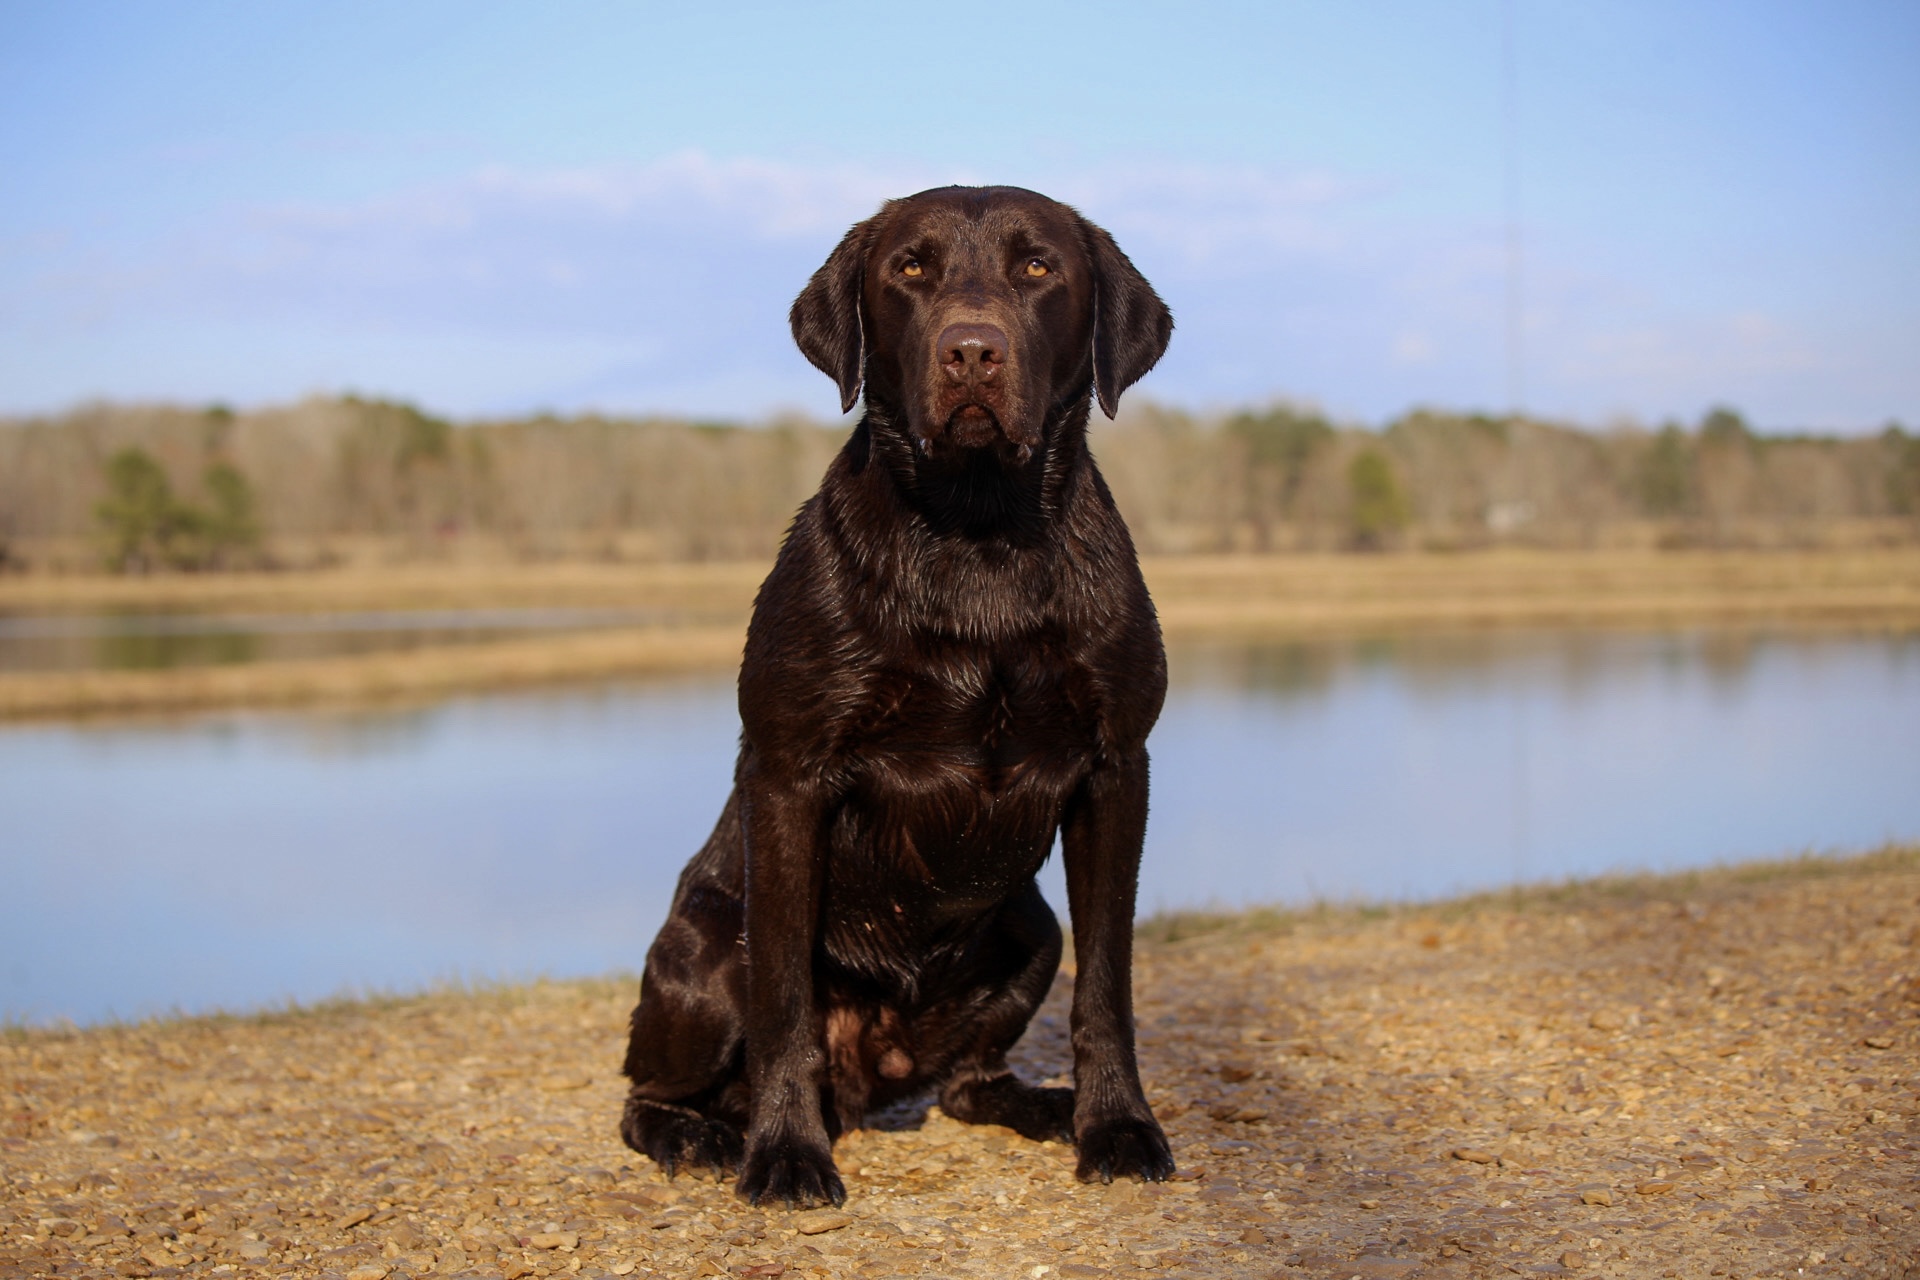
[(826, 317), (1131, 325)]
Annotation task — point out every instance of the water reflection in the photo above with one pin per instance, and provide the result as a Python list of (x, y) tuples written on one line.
[(238, 859), (1423, 766), (1575, 664), (154, 641)]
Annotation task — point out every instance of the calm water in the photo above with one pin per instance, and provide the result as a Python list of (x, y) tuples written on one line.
[(239, 860)]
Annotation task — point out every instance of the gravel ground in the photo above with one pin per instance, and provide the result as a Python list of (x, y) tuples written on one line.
[(1711, 1076)]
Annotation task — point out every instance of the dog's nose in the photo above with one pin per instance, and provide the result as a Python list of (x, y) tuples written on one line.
[(972, 353)]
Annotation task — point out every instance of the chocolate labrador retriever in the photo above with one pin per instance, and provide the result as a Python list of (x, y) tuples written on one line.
[(953, 659)]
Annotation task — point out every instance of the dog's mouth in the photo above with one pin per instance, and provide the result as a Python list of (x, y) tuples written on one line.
[(974, 426)]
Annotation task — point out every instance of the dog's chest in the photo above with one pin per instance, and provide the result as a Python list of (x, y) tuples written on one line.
[(991, 727), (960, 770)]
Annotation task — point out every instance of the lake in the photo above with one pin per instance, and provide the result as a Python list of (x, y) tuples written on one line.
[(243, 859)]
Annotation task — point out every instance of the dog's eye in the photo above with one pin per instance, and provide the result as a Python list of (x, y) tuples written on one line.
[(1036, 268), (911, 267)]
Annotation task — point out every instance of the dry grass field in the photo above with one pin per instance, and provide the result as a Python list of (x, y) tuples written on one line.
[(699, 611), (1711, 1075)]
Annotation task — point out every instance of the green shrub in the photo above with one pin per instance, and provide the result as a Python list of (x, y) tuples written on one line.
[(146, 527), (1665, 476), (140, 518), (1379, 506), (233, 526), (1724, 426)]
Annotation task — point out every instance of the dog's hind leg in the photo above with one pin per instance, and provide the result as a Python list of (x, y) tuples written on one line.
[(686, 1053), (686, 1059), (1023, 956), (676, 1136)]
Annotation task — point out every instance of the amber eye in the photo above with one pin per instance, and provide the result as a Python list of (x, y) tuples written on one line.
[(911, 267), (1036, 268)]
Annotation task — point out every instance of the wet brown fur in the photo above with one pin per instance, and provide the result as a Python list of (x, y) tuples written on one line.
[(953, 660)]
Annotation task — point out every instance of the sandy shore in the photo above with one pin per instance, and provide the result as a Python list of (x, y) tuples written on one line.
[(701, 613), (1699, 1076)]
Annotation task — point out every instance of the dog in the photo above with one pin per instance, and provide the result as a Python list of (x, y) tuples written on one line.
[(953, 660)]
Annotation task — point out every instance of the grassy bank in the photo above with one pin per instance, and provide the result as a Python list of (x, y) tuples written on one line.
[(702, 608)]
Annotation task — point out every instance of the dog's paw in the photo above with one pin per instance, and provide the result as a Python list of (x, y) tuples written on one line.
[(1031, 1111), (790, 1171), (676, 1138), (1124, 1148)]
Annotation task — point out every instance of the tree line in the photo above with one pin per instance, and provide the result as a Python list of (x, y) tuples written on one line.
[(143, 488)]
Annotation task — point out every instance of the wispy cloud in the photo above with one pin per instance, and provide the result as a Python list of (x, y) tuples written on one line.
[(664, 285), (501, 227)]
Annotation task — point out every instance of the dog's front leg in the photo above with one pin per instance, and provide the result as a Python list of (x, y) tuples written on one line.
[(788, 1154), (1101, 836)]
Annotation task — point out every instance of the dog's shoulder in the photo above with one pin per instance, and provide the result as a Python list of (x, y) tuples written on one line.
[(863, 599)]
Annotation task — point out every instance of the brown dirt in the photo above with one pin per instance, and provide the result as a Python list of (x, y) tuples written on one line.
[(1705, 1075), (1700, 1076), (703, 608)]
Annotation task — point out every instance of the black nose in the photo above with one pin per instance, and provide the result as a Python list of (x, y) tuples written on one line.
[(972, 353)]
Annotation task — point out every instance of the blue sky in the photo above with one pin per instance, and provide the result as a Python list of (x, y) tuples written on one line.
[(496, 209)]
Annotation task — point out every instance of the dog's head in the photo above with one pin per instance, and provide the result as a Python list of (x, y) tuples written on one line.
[(978, 312)]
